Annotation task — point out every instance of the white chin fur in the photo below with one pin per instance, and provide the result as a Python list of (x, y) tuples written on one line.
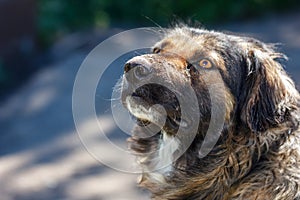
[(165, 157), (161, 164), (169, 145)]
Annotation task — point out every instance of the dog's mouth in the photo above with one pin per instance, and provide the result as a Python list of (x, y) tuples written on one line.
[(155, 104)]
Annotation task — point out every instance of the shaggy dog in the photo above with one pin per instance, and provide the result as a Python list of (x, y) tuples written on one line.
[(256, 154)]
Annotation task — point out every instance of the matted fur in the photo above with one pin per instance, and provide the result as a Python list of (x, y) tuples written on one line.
[(257, 155)]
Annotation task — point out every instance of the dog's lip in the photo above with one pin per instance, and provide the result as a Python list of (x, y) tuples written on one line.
[(167, 119)]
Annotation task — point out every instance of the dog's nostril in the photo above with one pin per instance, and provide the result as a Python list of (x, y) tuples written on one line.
[(129, 66), (138, 70)]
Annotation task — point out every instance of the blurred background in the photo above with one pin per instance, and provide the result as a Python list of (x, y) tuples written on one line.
[(42, 45)]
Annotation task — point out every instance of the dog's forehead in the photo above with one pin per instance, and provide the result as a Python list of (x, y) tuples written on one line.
[(190, 43), (193, 45)]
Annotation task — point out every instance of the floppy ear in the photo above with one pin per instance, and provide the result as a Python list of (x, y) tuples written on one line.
[(268, 94)]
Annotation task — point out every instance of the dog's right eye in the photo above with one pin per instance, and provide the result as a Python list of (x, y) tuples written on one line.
[(205, 63), (156, 50)]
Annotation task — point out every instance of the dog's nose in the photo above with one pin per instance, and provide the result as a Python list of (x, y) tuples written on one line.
[(137, 70)]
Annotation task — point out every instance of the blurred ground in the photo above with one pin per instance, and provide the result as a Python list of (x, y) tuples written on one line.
[(41, 157)]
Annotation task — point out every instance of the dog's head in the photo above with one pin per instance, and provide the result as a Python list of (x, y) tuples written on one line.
[(256, 92)]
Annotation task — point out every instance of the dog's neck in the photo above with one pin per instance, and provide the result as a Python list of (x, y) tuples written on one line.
[(232, 158)]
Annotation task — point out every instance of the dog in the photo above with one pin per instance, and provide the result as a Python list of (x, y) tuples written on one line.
[(255, 154)]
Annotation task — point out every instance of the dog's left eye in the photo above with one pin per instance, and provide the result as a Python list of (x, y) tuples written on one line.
[(189, 66), (190, 69), (156, 50), (205, 63)]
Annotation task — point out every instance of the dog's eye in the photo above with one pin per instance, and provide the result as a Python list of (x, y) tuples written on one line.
[(205, 63), (190, 69), (156, 50), (189, 66)]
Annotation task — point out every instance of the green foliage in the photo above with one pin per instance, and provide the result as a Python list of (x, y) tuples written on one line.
[(57, 17)]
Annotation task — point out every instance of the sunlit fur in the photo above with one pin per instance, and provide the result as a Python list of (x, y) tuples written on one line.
[(257, 156)]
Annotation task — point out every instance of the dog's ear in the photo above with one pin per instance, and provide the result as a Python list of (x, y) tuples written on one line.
[(267, 93)]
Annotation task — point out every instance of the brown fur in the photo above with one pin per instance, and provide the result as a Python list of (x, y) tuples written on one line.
[(257, 156)]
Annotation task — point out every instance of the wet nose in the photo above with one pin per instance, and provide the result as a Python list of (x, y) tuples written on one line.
[(137, 70)]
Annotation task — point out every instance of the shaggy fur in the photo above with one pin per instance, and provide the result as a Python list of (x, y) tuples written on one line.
[(257, 155)]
